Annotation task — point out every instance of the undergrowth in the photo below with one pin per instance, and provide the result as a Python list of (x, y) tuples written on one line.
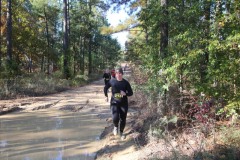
[(40, 84), (190, 127)]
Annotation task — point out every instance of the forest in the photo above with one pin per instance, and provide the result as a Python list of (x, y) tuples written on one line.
[(184, 55), (42, 37)]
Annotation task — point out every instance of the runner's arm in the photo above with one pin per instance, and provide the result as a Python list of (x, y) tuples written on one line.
[(129, 90)]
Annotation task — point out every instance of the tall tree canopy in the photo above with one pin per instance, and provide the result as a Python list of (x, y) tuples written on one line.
[(191, 44), (35, 39)]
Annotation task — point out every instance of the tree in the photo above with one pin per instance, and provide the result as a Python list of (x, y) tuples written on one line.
[(0, 33), (66, 41), (40, 39), (164, 29), (9, 35), (90, 38), (200, 46)]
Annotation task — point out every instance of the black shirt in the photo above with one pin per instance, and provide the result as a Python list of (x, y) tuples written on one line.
[(117, 87), (107, 76)]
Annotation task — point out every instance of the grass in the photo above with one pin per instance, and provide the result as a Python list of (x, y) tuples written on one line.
[(40, 84)]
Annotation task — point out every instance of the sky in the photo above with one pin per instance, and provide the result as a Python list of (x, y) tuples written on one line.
[(114, 18)]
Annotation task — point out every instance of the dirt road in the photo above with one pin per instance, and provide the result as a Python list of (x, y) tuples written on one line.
[(87, 97), (83, 99)]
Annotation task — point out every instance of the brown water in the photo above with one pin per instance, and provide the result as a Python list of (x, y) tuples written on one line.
[(50, 135)]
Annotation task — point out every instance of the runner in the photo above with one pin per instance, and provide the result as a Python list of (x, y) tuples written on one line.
[(113, 73), (106, 76), (121, 89)]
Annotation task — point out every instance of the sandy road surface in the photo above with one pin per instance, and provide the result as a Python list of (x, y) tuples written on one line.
[(84, 99)]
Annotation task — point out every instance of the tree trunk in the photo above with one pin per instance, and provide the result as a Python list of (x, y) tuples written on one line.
[(75, 53), (204, 61), (90, 55), (81, 61), (0, 33), (164, 44), (65, 41), (90, 41), (83, 54), (9, 33), (164, 30), (48, 44), (146, 27), (68, 13)]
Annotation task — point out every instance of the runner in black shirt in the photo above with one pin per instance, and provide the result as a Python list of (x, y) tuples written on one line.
[(121, 89), (106, 76)]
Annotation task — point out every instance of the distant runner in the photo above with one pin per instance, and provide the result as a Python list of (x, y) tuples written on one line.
[(106, 76), (113, 73), (121, 89)]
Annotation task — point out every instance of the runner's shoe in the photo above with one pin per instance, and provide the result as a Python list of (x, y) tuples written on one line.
[(115, 131), (123, 136)]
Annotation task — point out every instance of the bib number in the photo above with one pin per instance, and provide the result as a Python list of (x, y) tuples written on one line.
[(117, 97)]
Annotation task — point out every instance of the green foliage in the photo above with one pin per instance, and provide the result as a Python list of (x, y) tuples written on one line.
[(9, 69), (37, 37), (79, 79), (202, 52), (161, 127), (231, 109), (32, 85)]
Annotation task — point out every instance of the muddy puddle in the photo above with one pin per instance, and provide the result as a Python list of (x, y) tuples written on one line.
[(50, 135)]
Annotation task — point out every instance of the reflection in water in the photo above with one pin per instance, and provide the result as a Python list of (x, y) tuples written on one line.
[(3, 143), (49, 135)]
